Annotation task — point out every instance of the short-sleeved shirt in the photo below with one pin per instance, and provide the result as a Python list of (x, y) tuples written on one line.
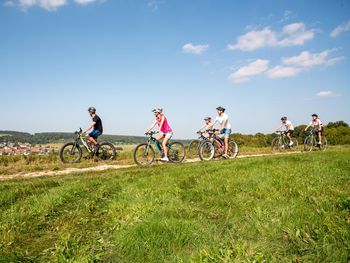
[(220, 119), (315, 124), (289, 123), (98, 123)]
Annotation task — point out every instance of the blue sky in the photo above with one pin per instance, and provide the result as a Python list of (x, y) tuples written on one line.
[(259, 59)]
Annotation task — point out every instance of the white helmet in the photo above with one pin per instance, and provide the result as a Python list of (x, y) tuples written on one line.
[(159, 110)]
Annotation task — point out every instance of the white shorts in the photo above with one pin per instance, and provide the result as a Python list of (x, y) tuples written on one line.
[(168, 135)]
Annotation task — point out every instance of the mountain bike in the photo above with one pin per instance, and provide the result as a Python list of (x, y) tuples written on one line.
[(311, 141), (72, 152), (144, 153), (281, 142), (215, 147), (193, 148)]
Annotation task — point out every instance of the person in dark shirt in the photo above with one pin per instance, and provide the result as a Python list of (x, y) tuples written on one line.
[(96, 126)]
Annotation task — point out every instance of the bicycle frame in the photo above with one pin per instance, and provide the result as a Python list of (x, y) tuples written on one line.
[(80, 138)]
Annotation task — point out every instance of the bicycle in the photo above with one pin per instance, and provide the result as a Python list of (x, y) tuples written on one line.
[(193, 148), (215, 147), (311, 141), (281, 142), (72, 152), (144, 153)]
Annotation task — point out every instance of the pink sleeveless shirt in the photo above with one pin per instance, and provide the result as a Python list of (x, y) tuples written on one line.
[(165, 128)]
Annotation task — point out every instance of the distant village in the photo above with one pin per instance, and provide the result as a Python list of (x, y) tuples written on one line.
[(10, 148)]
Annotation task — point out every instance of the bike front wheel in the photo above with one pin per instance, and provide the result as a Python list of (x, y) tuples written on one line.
[(295, 145), (70, 153), (324, 144), (143, 154), (106, 151), (193, 149), (206, 151), (276, 144), (233, 150), (308, 144), (176, 152)]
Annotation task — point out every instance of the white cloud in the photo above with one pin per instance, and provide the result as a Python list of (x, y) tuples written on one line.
[(49, 5), (306, 59), (282, 72), (194, 49), (294, 34), (340, 29), (326, 93), (245, 73), (154, 5)]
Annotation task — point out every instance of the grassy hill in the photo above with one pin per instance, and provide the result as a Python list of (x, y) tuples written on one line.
[(273, 209)]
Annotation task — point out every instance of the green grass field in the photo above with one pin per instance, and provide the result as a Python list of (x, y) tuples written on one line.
[(293, 208)]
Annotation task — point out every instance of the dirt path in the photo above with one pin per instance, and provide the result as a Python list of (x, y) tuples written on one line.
[(107, 167)]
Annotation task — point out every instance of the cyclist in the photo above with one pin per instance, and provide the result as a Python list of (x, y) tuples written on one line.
[(289, 129), (317, 127), (96, 126), (165, 131), (225, 127), (206, 126)]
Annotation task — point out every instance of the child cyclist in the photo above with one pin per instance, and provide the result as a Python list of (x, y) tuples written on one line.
[(165, 131), (317, 126), (289, 129), (207, 126), (225, 127)]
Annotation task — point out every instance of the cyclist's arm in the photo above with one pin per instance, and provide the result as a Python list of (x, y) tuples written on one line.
[(307, 127), (89, 127), (152, 126), (223, 124), (279, 127), (211, 125), (203, 128)]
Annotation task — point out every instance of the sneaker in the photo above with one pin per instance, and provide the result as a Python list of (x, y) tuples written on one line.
[(291, 144), (97, 146), (164, 159), (225, 156)]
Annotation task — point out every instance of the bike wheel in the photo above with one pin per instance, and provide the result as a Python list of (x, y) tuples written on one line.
[(276, 144), (308, 144), (295, 145), (70, 153), (233, 149), (324, 144), (206, 150), (193, 149), (106, 151), (219, 147), (176, 152), (143, 154)]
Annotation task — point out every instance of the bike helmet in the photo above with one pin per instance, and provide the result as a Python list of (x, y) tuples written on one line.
[(159, 110), (207, 118), (220, 109), (284, 118), (314, 115), (92, 109)]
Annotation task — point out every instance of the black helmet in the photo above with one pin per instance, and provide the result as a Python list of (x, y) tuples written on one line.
[(220, 109), (284, 118), (92, 109), (207, 118), (314, 115)]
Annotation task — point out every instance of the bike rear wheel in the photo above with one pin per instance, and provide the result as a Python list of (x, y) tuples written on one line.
[(143, 154), (193, 149), (70, 153), (206, 150), (308, 144), (176, 152), (295, 145), (106, 151), (233, 150), (324, 144)]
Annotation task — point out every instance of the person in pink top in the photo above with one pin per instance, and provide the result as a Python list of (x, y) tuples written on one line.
[(165, 131)]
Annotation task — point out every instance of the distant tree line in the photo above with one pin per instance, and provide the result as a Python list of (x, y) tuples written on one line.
[(337, 133)]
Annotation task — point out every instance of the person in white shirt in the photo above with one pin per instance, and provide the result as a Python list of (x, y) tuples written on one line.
[(317, 126), (225, 127), (206, 126), (289, 129)]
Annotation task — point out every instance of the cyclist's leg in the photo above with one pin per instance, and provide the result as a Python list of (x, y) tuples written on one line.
[(167, 137), (226, 133), (319, 133)]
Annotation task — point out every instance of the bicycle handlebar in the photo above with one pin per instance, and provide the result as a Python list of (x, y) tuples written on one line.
[(151, 133)]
